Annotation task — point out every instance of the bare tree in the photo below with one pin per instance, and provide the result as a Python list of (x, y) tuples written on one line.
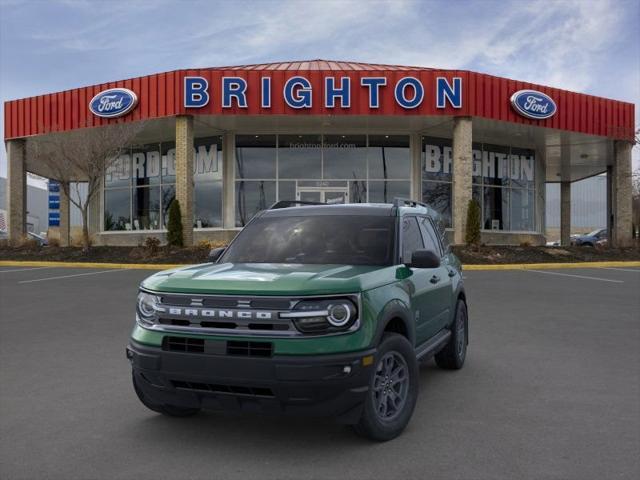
[(82, 156)]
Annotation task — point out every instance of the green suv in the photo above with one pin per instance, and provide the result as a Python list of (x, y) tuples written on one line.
[(321, 310)]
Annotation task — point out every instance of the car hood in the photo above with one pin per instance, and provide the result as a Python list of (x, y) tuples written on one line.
[(270, 279)]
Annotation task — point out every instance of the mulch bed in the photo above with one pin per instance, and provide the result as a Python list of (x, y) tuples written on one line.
[(107, 254), (480, 256), (484, 255)]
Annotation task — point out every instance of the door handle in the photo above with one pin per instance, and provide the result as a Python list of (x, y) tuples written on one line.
[(435, 279)]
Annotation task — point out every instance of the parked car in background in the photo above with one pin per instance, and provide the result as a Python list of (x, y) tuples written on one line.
[(590, 239)]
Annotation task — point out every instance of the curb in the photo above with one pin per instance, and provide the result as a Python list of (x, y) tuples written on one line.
[(166, 266), (129, 266), (550, 266)]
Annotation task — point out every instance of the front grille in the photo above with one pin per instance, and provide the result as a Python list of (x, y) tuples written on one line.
[(215, 388), (249, 349), (210, 314), (227, 302), (183, 344), (217, 347)]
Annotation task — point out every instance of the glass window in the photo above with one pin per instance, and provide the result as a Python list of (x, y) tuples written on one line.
[(358, 191), (429, 236), (381, 191), (251, 197), (255, 156), (522, 162), (117, 203), (363, 240), (345, 157), (476, 154), (168, 162), (168, 194), (208, 204), (286, 190), (118, 174), (145, 165), (207, 159), (389, 156), (411, 238), (495, 165), (496, 208), (437, 163), (438, 196), (146, 208), (300, 156), (522, 209)]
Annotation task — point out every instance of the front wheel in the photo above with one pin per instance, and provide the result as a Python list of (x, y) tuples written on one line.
[(393, 390), (452, 356)]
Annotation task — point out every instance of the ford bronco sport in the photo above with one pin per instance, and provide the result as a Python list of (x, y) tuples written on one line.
[(312, 309)]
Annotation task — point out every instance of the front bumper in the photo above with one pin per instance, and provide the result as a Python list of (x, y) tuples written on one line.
[(320, 385)]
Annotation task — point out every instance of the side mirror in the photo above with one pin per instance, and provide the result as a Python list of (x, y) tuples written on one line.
[(424, 259), (215, 254)]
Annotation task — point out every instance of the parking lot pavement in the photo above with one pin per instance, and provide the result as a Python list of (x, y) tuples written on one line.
[(551, 389)]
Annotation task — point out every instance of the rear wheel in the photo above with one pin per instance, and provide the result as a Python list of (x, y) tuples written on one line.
[(452, 356), (393, 390), (169, 410)]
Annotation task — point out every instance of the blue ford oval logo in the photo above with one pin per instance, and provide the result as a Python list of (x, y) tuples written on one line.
[(114, 102), (533, 104)]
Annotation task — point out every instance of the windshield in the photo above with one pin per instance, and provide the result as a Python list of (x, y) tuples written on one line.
[(594, 233), (317, 239)]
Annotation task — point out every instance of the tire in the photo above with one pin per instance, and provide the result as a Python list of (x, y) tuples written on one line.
[(169, 410), (385, 414), (452, 356)]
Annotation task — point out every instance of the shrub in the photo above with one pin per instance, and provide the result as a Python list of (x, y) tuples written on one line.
[(54, 242), (525, 244), (152, 245), (472, 234), (174, 226)]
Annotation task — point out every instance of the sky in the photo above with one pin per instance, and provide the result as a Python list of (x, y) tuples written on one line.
[(581, 45)]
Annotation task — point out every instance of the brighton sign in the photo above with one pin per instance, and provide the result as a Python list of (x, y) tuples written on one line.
[(533, 104), (408, 92)]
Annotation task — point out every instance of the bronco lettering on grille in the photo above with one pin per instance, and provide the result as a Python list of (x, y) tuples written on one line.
[(214, 313)]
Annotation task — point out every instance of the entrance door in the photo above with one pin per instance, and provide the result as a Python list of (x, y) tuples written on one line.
[(331, 195)]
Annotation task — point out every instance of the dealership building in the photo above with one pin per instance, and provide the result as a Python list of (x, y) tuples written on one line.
[(228, 142)]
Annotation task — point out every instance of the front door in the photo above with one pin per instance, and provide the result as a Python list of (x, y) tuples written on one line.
[(331, 195)]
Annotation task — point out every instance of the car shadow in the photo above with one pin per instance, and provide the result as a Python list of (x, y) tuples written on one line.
[(278, 435)]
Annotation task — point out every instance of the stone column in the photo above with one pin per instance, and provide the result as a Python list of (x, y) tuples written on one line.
[(621, 184), (16, 191), (65, 216), (184, 174), (462, 175), (565, 213), (228, 180)]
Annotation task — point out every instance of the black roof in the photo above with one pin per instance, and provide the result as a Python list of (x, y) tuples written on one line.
[(378, 209)]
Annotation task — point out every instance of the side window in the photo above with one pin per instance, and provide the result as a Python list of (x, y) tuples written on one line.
[(411, 238), (430, 239), (440, 229)]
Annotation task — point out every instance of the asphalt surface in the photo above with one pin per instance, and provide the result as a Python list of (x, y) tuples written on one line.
[(550, 390)]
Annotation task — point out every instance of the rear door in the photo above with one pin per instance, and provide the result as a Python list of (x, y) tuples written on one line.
[(440, 305), (421, 285)]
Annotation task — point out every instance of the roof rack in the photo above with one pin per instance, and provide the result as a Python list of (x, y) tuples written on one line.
[(292, 203), (406, 202)]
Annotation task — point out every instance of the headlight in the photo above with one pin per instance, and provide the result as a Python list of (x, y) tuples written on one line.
[(146, 307), (323, 315)]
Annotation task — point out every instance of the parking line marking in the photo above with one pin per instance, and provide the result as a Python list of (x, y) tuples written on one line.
[(24, 269), (68, 276), (622, 269), (577, 276)]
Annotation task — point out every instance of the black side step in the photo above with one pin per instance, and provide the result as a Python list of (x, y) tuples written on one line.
[(435, 343)]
